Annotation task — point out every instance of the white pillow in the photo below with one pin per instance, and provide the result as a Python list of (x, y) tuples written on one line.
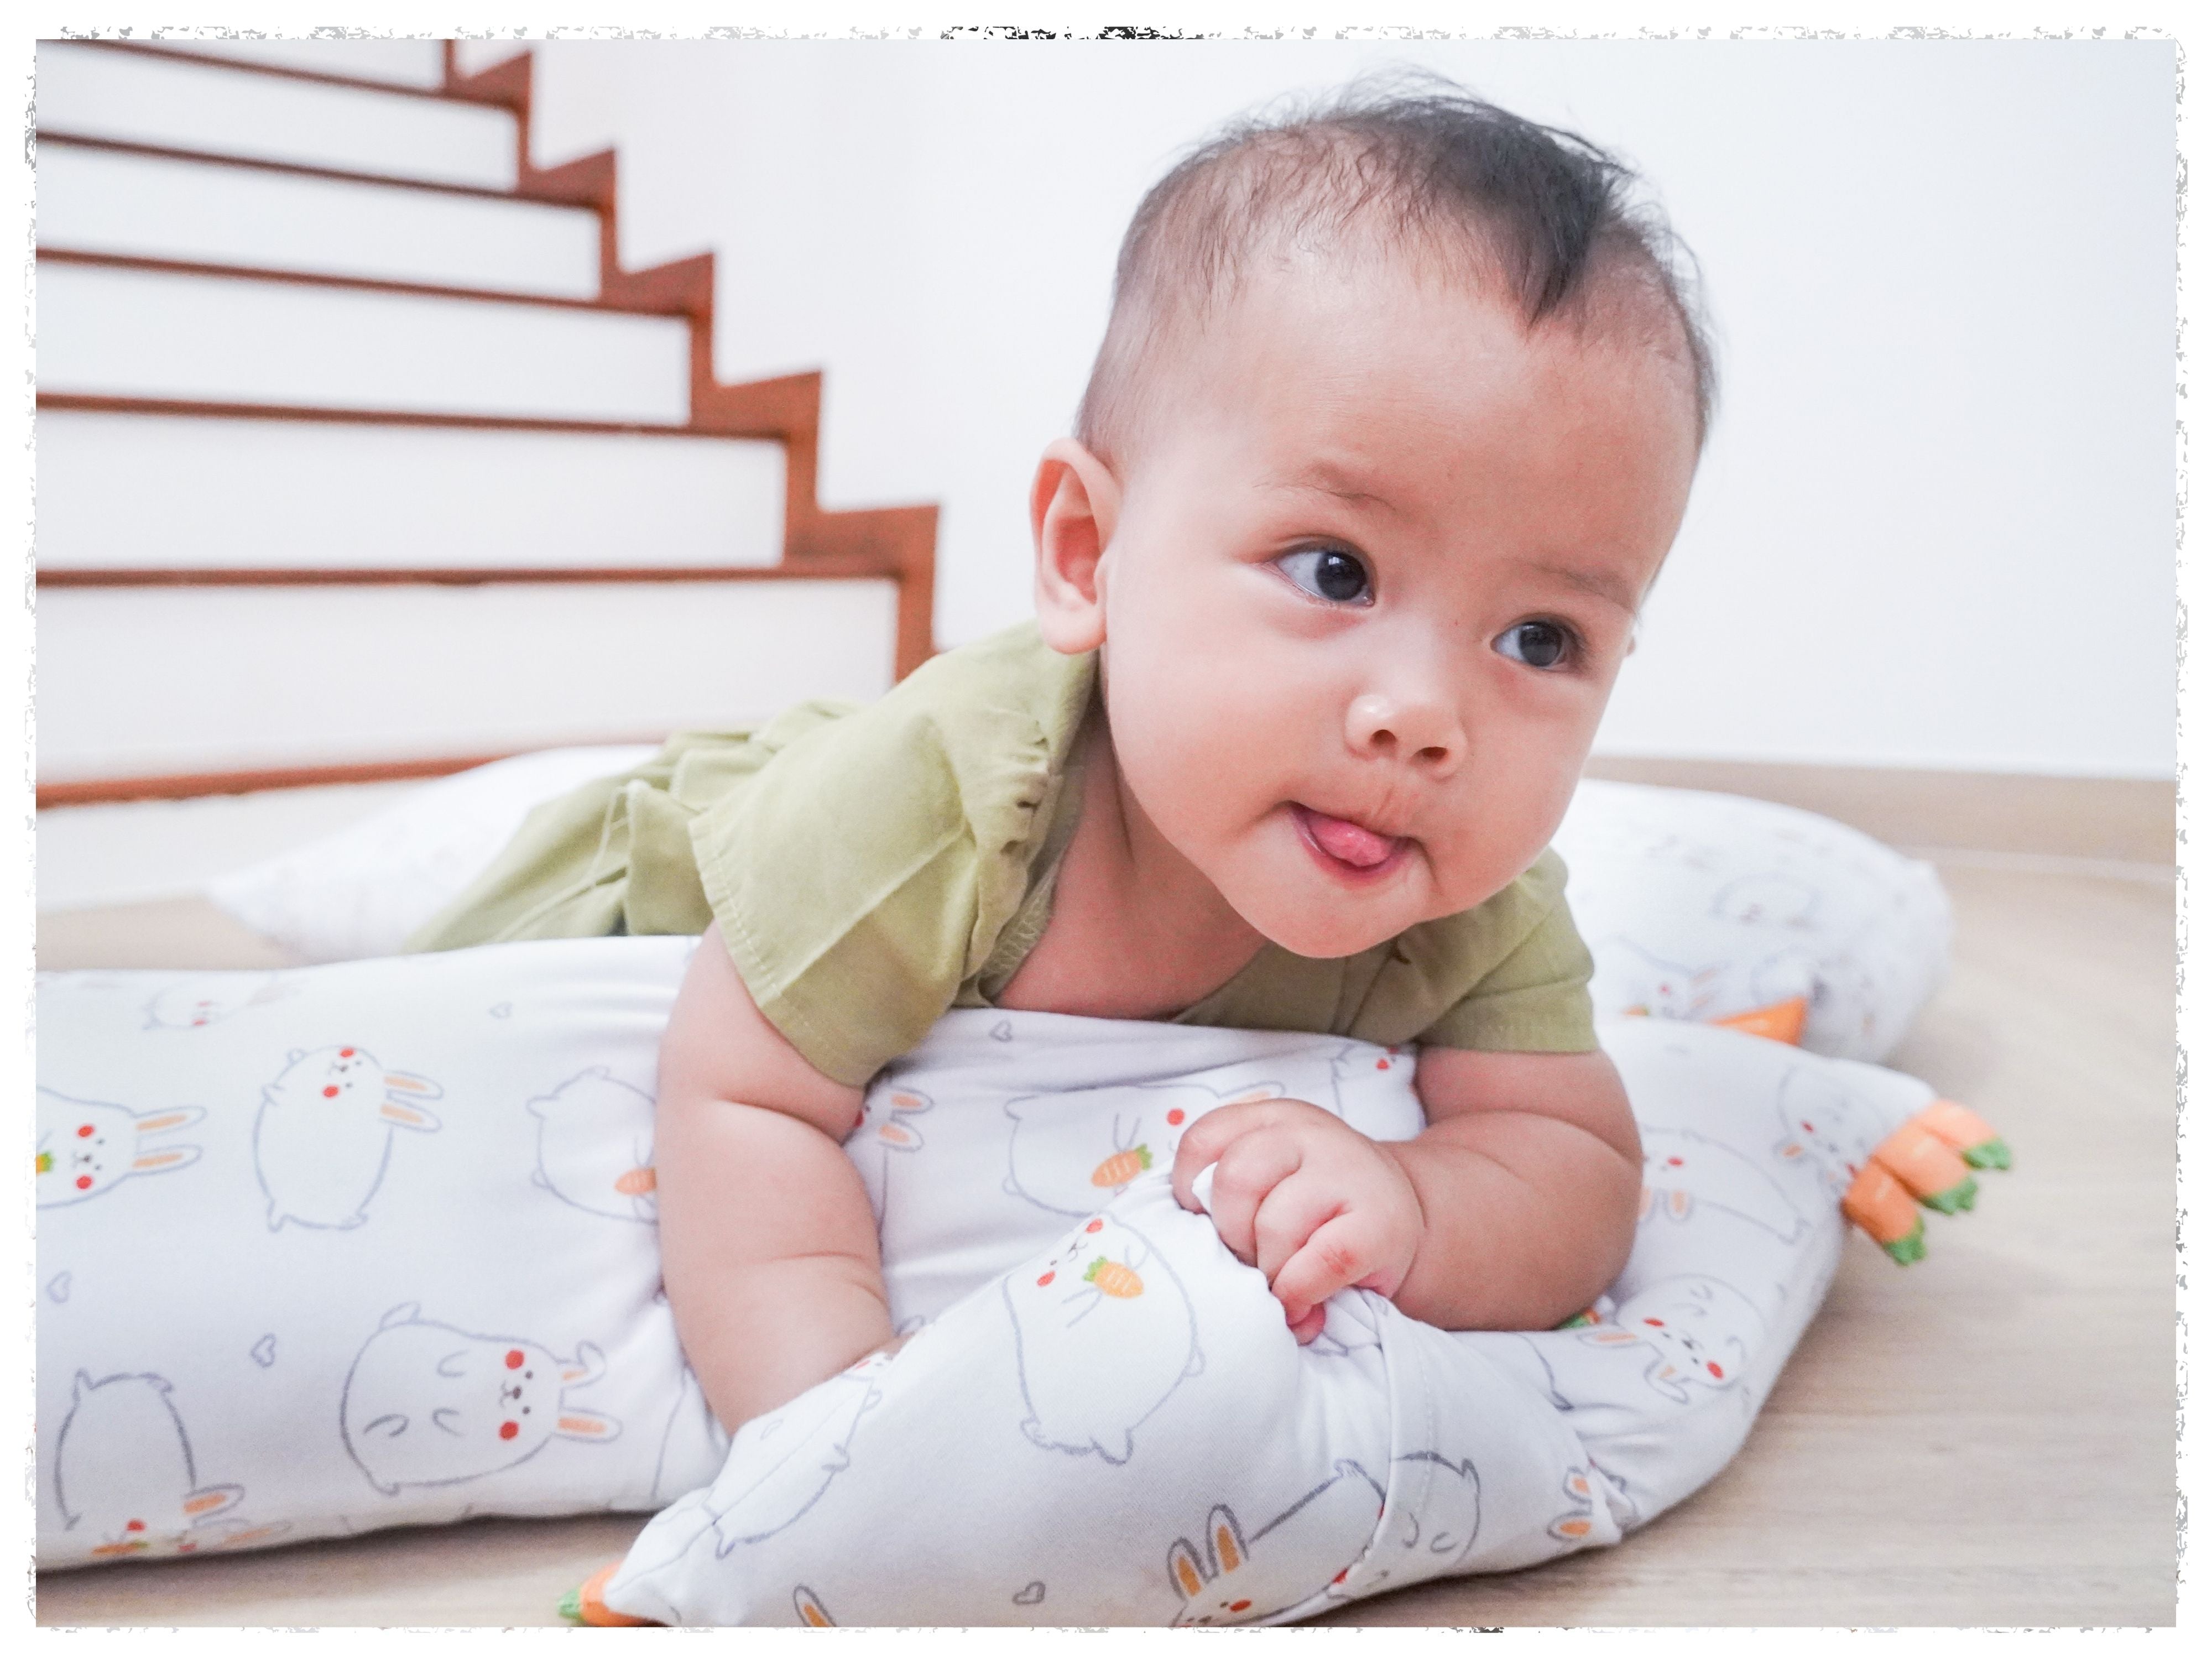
[(362, 891), (1718, 908), (372, 1244), (354, 1246), (1104, 1421)]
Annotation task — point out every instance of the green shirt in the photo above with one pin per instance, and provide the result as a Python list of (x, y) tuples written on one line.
[(872, 866)]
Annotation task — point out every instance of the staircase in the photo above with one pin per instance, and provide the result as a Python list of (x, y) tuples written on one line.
[(360, 458)]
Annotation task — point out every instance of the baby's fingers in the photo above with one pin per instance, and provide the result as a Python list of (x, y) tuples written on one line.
[(1213, 1134), (1345, 1250), (1247, 1169), (1296, 1208)]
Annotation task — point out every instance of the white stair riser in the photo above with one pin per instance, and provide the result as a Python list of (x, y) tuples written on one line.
[(399, 62), (133, 681), (91, 93), (126, 852), (93, 201), (221, 339), (225, 494)]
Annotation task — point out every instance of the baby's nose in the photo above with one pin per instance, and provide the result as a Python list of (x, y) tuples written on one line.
[(1422, 731)]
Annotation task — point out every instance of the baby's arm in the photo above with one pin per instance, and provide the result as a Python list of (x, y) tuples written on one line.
[(1513, 1209), (768, 1245)]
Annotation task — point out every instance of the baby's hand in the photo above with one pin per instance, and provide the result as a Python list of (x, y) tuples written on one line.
[(1305, 1198)]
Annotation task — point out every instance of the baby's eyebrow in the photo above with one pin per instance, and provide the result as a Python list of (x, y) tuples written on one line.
[(1329, 479), (1603, 583)]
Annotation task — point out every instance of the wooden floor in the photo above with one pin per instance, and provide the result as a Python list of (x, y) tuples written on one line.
[(1984, 1439)]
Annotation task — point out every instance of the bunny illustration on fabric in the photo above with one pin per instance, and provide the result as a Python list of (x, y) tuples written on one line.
[(808, 1605), (1685, 1174), (1825, 1127), (1769, 899), (595, 1147), (1358, 1064), (1785, 974), (885, 1135), (123, 1465), (780, 1464), (1430, 1538), (196, 1002), (1579, 1521), (887, 1119), (1847, 998), (86, 1146), (1310, 1547), (1699, 1330), (428, 1404), (1104, 1334), (323, 1137), (229, 1533), (1583, 1488), (1073, 1151), (1655, 986)]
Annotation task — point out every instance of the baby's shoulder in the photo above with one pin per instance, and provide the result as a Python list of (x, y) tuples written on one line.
[(971, 733)]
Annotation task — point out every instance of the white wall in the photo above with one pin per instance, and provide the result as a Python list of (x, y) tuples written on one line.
[(1935, 525)]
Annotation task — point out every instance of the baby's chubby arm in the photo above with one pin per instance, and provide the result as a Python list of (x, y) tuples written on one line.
[(1512, 1211), (767, 1244)]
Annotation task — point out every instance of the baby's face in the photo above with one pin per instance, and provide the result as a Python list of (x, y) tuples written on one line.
[(1368, 591)]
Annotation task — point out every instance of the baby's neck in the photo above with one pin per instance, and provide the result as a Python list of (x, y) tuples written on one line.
[(1137, 931)]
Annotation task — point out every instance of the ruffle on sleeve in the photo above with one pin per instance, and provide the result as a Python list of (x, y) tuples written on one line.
[(872, 865)]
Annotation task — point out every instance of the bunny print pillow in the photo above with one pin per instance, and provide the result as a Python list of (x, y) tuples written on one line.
[(374, 1244), (353, 1247)]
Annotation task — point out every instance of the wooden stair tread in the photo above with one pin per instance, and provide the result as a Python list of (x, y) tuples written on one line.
[(446, 93), (636, 307), (741, 416), (303, 169), (806, 567)]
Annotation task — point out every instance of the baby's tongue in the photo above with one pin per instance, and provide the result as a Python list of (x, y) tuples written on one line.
[(1360, 847)]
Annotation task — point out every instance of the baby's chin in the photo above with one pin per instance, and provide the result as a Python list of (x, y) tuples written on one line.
[(1305, 911), (1301, 916)]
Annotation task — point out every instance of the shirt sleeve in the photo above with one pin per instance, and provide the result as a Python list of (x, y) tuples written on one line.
[(870, 867), (1536, 999)]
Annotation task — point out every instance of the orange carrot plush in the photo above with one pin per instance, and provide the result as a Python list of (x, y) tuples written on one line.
[(586, 1603), (1929, 1161), (1973, 1140)]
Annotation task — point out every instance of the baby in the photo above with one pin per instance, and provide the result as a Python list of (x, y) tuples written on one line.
[(1393, 423)]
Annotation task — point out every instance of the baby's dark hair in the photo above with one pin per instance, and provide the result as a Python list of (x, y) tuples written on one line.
[(1403, 160)]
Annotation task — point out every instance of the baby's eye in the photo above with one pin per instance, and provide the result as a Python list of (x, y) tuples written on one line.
[(1329, 573), (1539, 644)]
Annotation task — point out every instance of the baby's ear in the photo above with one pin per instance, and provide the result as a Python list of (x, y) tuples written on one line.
[(1073, 505)]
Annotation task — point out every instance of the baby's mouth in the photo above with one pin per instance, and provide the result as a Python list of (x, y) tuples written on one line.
[(1345, 844)]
